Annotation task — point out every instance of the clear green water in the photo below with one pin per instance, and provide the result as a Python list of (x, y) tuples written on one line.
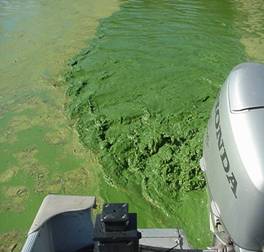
[(143, 89)]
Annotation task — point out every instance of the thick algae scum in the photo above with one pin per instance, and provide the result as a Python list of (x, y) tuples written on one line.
[(141, 96)]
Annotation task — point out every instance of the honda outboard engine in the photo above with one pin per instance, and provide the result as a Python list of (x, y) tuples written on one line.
[(233, 160)]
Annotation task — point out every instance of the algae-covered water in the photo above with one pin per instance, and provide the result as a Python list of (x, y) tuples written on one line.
[(39, 150), (139, 95)]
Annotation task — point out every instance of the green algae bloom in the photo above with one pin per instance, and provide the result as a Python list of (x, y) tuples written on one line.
[(141, 95), (39, 152)]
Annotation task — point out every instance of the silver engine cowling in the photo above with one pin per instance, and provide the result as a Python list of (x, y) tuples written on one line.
[(233, 159)]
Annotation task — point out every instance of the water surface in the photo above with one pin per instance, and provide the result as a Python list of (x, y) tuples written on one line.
[(39, 151), (150, 77), (141, 95)]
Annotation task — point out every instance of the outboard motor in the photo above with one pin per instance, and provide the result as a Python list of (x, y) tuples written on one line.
[(233, 160)]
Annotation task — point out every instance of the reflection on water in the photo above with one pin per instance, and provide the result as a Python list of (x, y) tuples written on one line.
[(37, 36), (11, 7), (250, 19)]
